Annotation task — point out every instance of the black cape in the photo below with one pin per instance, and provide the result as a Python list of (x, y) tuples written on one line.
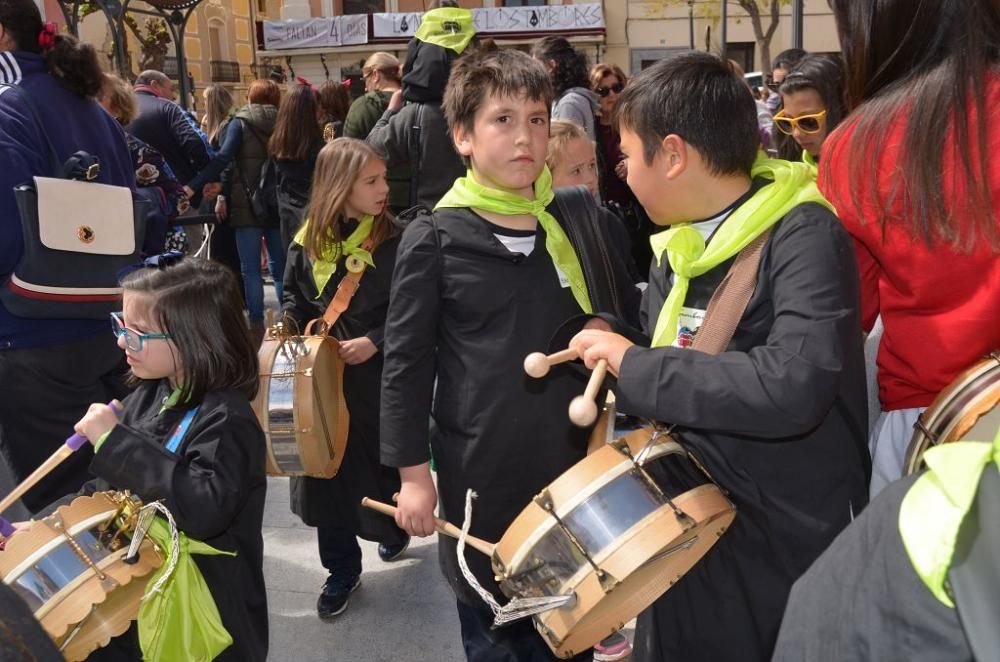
[(778, 420), (214, 485), (337, 501), (466, 310)]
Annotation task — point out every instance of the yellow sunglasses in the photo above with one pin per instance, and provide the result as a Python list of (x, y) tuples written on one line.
[(805, 123)]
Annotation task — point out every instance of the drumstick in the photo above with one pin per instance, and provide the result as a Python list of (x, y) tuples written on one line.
[(74, 443), (447, 528), (537, 365), (583, 408)]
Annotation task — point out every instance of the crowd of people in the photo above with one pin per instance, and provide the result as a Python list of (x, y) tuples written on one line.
[(500, 203)]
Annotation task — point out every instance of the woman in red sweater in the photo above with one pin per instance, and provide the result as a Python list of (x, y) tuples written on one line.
[(910, 175)]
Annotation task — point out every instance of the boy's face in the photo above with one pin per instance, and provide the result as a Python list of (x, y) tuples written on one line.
[(507, 143), (648, 181)]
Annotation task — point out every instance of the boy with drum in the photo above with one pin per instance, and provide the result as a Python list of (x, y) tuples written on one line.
[(778, 419), (479, 284)]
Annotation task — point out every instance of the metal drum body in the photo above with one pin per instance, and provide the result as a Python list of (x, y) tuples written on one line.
[(968, 408), (300, 405), (69, 568), (613, 535)]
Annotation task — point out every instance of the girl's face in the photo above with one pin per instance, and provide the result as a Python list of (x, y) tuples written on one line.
[(370, 191), (576, 166), (158, 358), (609, 84), (800, 104)]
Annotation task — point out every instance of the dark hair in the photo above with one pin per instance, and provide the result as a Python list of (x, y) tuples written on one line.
[(487, 72), (698, 97), (265, 92), (824, 74), (296, 131), (198, 303), (334, 100), (788, 58), (69, 61), (940, 54), (570, 64)]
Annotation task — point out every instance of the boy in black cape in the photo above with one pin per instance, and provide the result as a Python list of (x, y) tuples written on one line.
[(778, 419), (478, 285)]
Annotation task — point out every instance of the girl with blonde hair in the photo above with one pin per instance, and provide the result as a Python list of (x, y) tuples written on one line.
[(347, 231), (218, 107)]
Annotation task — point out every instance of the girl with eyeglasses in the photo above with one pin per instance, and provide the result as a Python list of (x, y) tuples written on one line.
[(188, 436), (812, 98)]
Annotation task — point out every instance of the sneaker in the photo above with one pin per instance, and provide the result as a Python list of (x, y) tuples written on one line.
[(615, 647), (390, 553), (333, 600)]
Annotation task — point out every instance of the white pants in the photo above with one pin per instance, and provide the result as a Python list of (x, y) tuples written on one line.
[(888, 443)]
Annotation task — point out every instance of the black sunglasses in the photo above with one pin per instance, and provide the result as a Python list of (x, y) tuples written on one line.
[(605, 91)]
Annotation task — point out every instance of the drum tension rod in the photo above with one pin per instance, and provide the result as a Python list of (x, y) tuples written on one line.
[(919, 425), (107, 582), (607, 581), (640, 472)]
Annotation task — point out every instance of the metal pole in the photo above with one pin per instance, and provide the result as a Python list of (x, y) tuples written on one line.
[(797, 23), (724, 32), (691, 22), (179, 22)]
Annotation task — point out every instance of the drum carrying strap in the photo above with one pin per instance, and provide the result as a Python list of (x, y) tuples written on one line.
[(730, 299), (346, 290)]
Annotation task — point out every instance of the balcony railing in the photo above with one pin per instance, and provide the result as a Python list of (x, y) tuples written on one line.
[(170, 67), (224, 71)]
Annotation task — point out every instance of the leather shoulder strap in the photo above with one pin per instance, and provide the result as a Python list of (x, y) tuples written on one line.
[(346, 290), (729, 302)]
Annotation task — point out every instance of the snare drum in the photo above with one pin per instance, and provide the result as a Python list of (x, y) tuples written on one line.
[(70, 569), (965, 409), (615, 531), (300, 405)]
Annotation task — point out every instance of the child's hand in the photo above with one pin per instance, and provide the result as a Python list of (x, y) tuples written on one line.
[(594, 345), (417, 501), (395, 102), (98, 420), (357, 350)]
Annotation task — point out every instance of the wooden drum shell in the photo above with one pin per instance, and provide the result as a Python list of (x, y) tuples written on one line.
[(37, 557), (645, 559), (300, 406), (968, 408)]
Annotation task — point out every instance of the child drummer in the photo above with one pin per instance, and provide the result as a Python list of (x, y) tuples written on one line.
[(779, 418), (484, 281)]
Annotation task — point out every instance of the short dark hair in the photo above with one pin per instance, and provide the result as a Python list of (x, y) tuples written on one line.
[(487, 72), (697, 97), (788, 58), (198, 302)]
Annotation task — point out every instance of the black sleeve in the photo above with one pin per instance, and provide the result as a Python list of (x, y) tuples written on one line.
[(203, 485), (784, 387), (382, 275), (390, 135), (184, 133), (411, 332), (298, 292)]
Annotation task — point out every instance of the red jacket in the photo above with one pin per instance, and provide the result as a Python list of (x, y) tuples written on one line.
[(940, 307)]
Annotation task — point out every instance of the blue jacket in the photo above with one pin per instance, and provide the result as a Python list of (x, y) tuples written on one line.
[(73, 123)]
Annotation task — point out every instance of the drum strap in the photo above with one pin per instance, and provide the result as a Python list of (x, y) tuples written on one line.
[(346, 290), (730, 300)]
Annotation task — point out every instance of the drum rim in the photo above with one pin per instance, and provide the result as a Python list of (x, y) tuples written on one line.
[(56, 540)]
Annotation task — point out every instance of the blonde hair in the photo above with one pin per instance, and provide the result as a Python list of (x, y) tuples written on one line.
[(119, 99), (561, 132), (338, 167), (386, 64), (218, 103)]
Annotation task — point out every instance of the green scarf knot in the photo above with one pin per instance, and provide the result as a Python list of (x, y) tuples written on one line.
[(466, 192), (181, 620), (792, 184), (447, 27), (324, 267)]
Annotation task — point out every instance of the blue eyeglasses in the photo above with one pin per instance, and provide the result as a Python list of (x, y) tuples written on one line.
[(133, 340)]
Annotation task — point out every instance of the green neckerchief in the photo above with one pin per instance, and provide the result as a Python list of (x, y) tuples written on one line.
[(810, 161), (181, 621), (792, 184), (467, 192), (324, 267), (447, 27)]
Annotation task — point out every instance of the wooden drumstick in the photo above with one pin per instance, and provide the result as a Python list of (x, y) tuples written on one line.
[(447, 528), (537, 365), (72, 445), (583, 408)]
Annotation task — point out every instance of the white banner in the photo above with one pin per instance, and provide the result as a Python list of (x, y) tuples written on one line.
[(553, 18), (316, 32)]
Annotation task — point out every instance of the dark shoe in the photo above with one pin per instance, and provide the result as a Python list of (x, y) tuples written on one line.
[(333, 600), (392, 552)]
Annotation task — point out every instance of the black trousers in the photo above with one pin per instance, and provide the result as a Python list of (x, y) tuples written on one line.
[(340, 553), (516, 642), (44, 391)]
